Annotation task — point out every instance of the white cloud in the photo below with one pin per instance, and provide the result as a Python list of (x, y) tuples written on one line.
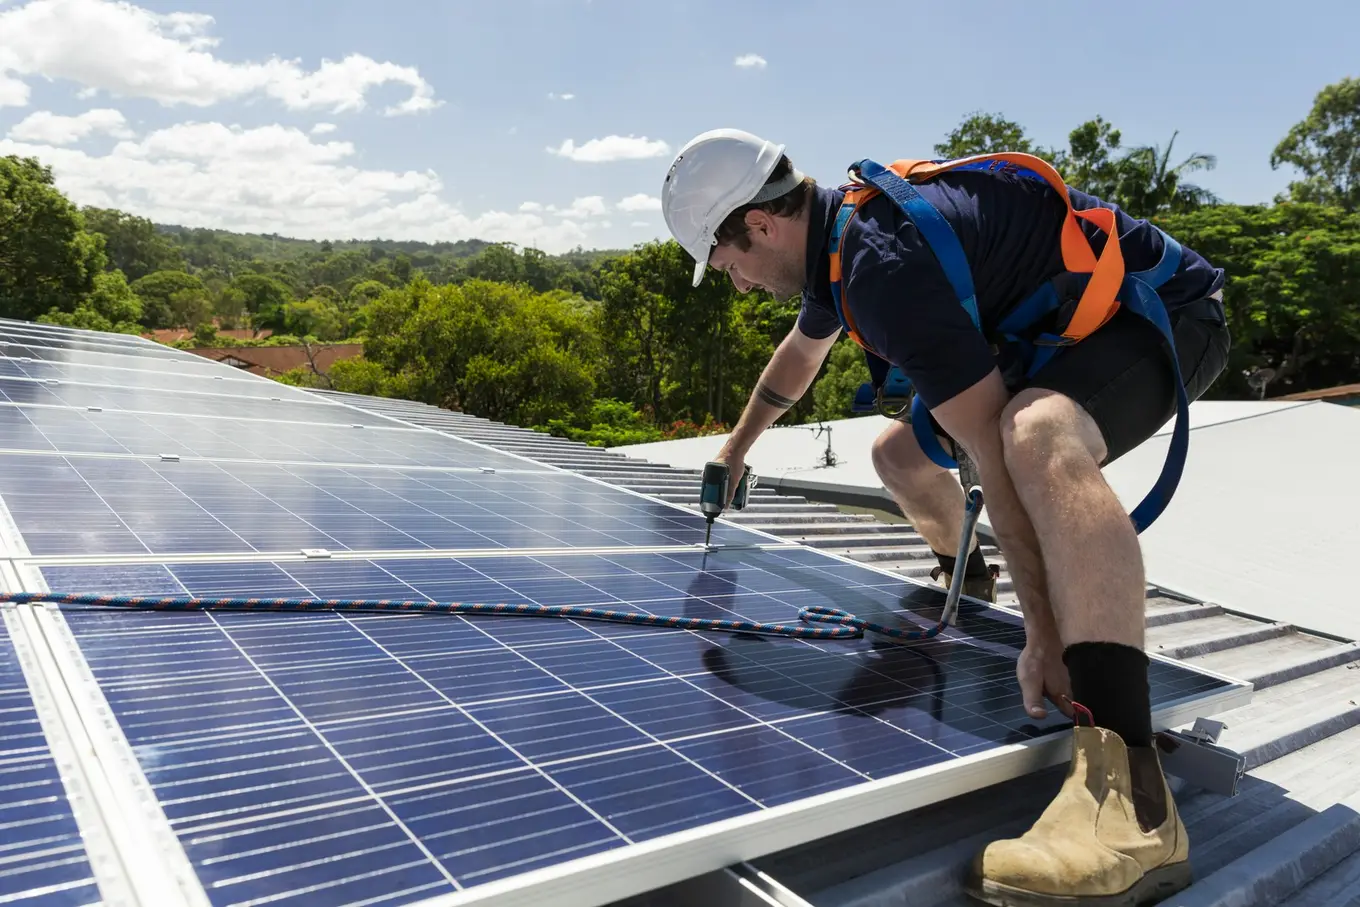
[(587, 206), (128, 51), (639, 223), (53, 129), (323, 128), (750, 61), (640, 202), (612, 148), (278, 179), (554, 96), (531, 206)]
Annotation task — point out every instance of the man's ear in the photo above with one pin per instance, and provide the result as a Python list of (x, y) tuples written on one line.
[(760, 222)]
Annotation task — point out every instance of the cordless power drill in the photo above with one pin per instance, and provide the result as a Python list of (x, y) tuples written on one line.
[(714, 491)]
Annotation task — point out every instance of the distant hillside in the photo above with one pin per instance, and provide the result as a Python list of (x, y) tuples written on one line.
[(273, 247)]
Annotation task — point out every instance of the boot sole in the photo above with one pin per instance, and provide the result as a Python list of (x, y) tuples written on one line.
[(1154, 886)]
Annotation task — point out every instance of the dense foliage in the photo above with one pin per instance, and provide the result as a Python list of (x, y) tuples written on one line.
[(616, 346)]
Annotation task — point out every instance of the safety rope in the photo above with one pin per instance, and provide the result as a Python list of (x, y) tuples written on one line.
[(850, 626)]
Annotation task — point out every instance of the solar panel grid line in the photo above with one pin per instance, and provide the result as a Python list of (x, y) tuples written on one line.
[(152, 862)]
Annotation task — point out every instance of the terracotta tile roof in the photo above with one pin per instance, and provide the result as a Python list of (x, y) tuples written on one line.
[(274, 360)]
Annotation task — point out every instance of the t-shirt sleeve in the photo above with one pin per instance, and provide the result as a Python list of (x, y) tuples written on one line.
[(817, 318), (912, 317)]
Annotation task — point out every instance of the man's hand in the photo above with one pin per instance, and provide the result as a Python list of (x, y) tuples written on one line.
[(1041, 673), (736, 465)]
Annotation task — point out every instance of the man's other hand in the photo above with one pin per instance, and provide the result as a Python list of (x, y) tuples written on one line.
[(1042, 674)]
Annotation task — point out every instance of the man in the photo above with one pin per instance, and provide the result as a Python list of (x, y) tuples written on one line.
[(736, 203)]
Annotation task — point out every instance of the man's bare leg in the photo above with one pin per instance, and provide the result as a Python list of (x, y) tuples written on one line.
[(1092, 559), (932, 498), (928, 494), (1051, 451)]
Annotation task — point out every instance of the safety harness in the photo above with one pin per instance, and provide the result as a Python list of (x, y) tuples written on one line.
[(1106, 287)]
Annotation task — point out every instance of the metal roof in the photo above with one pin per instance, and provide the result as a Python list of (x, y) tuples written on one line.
[(1291, 836)]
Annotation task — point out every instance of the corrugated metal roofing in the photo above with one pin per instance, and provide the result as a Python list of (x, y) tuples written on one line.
[(1291, 836)]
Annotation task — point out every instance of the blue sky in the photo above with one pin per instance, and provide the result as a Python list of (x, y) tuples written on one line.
[(173, 109)]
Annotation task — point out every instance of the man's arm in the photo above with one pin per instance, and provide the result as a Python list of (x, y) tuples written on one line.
[(784, 380), (973, 418)]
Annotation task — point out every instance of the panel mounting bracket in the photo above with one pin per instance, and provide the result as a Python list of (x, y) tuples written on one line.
[(315, 552), (1195, 757)]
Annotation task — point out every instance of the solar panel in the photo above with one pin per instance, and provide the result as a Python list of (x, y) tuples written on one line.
[(355, 758)]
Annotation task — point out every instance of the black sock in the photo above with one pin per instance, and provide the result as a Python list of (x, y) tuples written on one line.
[(973, 567), (1111, 681)]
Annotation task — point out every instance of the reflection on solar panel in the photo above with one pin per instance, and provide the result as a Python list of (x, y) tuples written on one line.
[(350, 758)]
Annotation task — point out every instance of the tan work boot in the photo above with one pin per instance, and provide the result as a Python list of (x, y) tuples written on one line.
[(981, 587), (1089, 847)]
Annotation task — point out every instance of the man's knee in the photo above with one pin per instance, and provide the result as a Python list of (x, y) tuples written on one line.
[(897, 456), (1044, 433)]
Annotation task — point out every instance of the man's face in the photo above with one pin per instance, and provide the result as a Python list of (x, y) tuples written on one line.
[(771, 263)]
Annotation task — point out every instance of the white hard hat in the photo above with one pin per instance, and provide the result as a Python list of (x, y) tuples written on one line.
[(715, 173)]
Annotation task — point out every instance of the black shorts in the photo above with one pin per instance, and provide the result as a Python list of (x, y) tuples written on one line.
[(1121, 375)]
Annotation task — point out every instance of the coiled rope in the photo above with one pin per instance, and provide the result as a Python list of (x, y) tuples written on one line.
[(848, 625)]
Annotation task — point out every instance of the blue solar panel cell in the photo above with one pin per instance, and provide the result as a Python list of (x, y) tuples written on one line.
[(88, 505), (42, 856), (497, 744)]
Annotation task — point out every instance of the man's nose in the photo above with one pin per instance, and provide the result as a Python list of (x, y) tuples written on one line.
[(741, 285)]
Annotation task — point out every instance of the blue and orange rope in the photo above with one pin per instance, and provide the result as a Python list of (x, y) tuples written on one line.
[(848, 625)]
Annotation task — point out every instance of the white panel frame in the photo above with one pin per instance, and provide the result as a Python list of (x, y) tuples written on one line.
[(138, 852)]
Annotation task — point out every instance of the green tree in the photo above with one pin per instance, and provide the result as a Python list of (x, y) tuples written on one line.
[(495, 349), (985, 133), (110, 306), (1152, 185), (189, 308), (132, 244), (316, 317), (834, 391), (47, 259), (261, 293), (1325, 146), (155, 290), (1294, 276)]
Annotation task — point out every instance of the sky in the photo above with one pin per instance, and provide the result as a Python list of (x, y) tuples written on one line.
[(551, 123)]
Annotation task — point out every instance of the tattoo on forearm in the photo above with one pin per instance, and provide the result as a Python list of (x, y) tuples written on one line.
[(779, 401)]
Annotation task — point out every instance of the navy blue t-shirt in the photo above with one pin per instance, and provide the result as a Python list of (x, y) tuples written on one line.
[(1009, 227)]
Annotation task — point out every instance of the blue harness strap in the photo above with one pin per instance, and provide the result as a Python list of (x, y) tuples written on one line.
[(1138, 294)]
